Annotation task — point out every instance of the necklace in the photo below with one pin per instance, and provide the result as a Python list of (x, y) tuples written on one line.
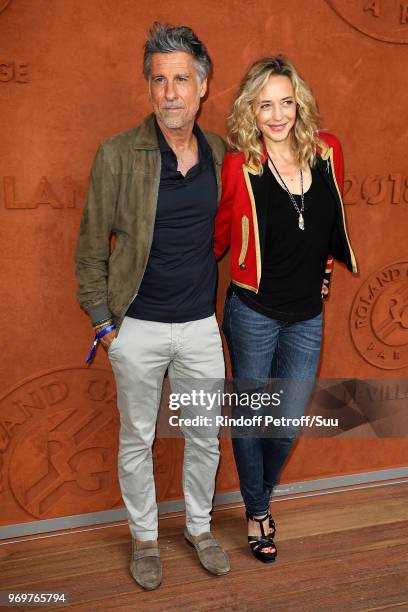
[(301, 221)]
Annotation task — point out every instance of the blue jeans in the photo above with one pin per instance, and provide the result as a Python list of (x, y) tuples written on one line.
[(261, 348)]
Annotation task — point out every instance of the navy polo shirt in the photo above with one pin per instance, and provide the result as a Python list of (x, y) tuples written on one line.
[(180, 278)]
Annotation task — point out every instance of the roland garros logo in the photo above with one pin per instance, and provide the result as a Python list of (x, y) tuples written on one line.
[(3, 4), (384, 20), (379, 318), (58, 444)]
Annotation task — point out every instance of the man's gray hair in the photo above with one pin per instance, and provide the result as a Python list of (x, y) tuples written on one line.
[(164, 38)]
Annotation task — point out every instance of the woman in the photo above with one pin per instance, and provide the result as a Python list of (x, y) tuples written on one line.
[(282, 214)]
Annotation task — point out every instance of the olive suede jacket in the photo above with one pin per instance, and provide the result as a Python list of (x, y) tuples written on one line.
[(117, 225)]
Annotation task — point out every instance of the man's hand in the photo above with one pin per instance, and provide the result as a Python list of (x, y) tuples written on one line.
[(325, 289), (107, 339)]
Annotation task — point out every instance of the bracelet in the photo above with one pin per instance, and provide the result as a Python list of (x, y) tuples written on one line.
[(101, 325), (97, 339), (102, 322)]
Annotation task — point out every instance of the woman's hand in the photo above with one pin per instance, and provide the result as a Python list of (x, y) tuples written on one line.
[(325, 289)]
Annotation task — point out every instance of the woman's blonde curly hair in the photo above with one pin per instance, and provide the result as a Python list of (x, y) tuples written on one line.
[(243, 133)]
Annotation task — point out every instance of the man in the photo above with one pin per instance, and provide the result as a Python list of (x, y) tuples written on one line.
[(155, 188)]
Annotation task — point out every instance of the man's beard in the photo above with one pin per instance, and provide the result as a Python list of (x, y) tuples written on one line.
[(173, 122), (179, 120)]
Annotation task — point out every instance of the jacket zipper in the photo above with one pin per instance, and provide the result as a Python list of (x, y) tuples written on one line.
[(136, 290)]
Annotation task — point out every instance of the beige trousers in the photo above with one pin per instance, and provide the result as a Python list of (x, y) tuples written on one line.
[(140, 356)]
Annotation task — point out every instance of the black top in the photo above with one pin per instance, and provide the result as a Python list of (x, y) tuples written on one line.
[(180, 278), (294, 259)]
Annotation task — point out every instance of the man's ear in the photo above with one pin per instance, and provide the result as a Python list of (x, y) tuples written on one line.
[(203, 88)]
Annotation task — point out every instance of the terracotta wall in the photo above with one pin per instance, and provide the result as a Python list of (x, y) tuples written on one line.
[(70, 75)]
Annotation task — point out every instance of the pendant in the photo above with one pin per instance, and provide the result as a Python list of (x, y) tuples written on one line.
[(301, 222)]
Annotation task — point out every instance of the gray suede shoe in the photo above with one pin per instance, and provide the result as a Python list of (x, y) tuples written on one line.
[(145, 565), (212, 557)]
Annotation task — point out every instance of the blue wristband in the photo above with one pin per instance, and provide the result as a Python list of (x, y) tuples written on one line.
[(97, 339)]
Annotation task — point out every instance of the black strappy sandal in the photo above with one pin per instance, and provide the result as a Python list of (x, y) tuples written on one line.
[(272, 527), (263, 548)]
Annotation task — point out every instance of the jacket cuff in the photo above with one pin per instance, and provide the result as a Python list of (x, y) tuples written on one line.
[(99, 312)]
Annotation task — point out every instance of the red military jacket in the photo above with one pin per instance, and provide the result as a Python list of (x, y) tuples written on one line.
[(240, 218)]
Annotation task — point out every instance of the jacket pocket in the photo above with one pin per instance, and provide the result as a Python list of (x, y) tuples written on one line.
[(245, 236)]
